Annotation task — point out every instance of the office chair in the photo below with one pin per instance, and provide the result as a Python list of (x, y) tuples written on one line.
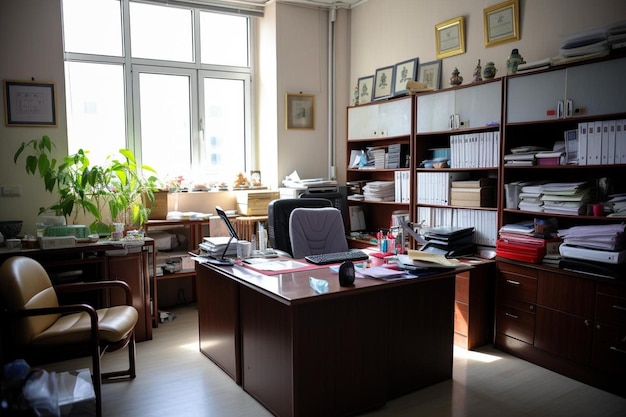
[(44, 331), (278, 213), (316, 230)]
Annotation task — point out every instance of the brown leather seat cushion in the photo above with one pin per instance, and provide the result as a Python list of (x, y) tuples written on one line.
[(115, 323)]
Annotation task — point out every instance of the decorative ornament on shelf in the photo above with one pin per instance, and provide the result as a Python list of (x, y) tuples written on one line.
[(355, 101), (513, 61), (489, 71), (477, 73), (456, 78)]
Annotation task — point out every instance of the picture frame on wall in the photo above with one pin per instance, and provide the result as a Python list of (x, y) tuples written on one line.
[(404, 71), (383, 83), (29, 103), (430, 74), (450, 37), (501, 23), (365, 86), (300, 111)]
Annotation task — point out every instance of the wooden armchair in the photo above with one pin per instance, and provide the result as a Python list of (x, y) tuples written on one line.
[(43, 331)]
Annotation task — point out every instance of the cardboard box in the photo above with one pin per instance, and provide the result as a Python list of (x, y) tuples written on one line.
[(77, 397), (473, 197), (254, 203), (159, 207)]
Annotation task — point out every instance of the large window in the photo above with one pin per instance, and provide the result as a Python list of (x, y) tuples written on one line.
[(172, 83)]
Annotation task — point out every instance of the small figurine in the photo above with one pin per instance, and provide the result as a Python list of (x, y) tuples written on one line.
[(477, 72), (456, 78), (514, 60), (355, 101), (489, 71)]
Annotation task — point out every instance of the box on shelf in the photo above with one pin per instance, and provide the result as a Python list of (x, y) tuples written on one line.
[(254, 203), (158, 207), (473, 197), (56, 242)]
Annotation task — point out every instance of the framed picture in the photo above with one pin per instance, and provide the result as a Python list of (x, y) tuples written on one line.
[(29, 103), (430, 74), (404, 71), (366, 88), (501, 23), (300, 111), (383, 83), (450, 39)]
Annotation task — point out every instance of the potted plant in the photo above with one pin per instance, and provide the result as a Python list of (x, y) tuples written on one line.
[(118, 185)]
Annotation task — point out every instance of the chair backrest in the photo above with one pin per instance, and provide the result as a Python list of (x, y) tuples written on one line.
[(24, 284), (278, 213), (315, 231)]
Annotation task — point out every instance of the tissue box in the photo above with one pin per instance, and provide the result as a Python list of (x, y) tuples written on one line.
[(77, 397), (254, 203)]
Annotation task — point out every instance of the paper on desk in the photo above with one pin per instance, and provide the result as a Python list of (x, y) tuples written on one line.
[(279, 265), (416, 255)]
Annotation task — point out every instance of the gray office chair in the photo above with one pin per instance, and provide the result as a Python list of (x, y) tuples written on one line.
[(316, 230)]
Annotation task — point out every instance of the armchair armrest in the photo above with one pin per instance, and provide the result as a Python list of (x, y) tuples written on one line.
[(63, 309), (97, 285)]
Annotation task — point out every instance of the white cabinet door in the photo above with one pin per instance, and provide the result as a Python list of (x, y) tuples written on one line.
[(479, 106), (535, 97), (394, 118), (597, 88), (363, 122), (434, 111)]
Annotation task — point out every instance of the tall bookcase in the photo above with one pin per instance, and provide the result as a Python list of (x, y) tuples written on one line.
[(467, 121), (380, 125), (570, 322)]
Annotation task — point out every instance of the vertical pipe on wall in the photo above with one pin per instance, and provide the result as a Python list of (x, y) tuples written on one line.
[(332, 14)]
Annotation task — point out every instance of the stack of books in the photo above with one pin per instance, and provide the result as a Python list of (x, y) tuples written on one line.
[(451, 241), (530, 197), (523, 155), (397, 156), (519, 241), (473, 193)]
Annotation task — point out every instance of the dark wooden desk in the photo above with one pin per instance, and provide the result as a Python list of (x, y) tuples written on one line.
[(300, 353)]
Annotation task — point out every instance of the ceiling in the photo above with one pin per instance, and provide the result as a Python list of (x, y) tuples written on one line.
[(345, 4)]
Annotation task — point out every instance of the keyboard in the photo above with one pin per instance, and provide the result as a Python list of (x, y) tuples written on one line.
[(336, 257)]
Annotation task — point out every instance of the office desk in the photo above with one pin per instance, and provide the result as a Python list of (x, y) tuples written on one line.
[(300, 353)]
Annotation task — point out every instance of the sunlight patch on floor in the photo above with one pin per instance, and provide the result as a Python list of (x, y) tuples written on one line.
[(475, 356)]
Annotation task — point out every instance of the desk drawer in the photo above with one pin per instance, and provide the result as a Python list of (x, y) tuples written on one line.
[(513, 286), (611, 310), (516, 323)]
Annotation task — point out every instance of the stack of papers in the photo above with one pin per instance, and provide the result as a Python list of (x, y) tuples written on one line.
[(380, 191), (566, 198), (214, 246), (606, 237)]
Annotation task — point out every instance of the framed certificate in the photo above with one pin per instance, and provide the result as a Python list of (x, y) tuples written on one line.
[(449, 36), (501, 23)]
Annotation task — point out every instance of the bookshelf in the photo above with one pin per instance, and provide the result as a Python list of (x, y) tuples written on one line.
[(384, 128), (465, 121)]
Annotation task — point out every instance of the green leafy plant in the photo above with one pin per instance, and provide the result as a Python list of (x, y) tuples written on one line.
[(118, 185)]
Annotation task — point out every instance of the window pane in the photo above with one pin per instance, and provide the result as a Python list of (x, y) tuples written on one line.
[(159, 32), (83, 33), (223, 39), (95, 109), (224, 133), (165, 123)]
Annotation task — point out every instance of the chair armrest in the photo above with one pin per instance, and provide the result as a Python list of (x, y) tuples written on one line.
[(97, 285), (63, 309)]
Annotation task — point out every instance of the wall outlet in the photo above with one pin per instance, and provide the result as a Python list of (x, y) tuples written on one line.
[(10, 191)]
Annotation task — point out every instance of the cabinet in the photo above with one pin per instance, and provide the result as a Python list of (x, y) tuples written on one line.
[(186, 236), (466, 121), (133, 269), (580, 91), (473, 306), (380, 125), (565, 321)]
